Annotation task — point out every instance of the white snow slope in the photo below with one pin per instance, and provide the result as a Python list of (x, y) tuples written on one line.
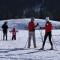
[(13, 49), (22, 23)]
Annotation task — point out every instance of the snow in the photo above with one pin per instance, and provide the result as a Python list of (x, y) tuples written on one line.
[(10, 49), (13, 49), (22, 23)]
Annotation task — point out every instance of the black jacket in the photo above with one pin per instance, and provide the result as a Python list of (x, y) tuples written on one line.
[(5, 27)]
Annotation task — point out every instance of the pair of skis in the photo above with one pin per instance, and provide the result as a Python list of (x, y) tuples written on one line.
[(36, 51), (31, 50)]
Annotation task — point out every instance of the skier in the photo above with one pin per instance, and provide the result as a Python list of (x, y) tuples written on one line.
[(5, 28), (14, 33), (31, 28), (48, 31)]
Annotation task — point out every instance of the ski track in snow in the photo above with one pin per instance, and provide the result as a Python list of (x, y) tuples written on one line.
[(13, 50)]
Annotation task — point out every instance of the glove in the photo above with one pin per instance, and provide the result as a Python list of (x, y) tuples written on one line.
[(40, 27), (37, 24)]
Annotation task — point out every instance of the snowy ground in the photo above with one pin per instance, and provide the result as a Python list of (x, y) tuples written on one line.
[(11, 50)]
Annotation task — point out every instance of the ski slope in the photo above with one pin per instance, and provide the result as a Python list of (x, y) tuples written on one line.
[(22, 23), (11, 49), (17, 49)]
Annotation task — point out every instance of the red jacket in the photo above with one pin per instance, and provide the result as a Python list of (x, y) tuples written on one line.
[(31, 26), (13, 31), (48, 27)]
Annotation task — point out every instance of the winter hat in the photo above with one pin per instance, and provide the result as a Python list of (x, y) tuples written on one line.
[(5, 22), (47, 18), (32, 19), (14, 28)]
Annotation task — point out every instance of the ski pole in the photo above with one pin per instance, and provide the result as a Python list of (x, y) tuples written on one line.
[(53, 43), (25, 44), (1, 35), (41, 34)]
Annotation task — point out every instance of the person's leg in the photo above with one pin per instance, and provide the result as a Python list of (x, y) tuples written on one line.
[(29, 40), (6, 36), (34, 40), (12, 37), (50, 40), (45, 37), (3, 36), (15, 37)]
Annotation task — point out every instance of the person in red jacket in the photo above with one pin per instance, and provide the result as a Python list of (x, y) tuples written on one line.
[(48, 30), (14, 33), (31, 28)]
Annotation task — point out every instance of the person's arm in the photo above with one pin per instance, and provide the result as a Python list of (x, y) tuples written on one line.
[(51, 27), (7, 27), (16, 31), (43, 27), (10, 31), (28, 25), (36, 25), (2, 27)]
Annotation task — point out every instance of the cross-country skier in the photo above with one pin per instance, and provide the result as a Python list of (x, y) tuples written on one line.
[(48, 31), (14, 33), (5, 28), (31, 28)]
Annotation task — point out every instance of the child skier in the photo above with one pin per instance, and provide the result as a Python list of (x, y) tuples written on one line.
[(14, 33)]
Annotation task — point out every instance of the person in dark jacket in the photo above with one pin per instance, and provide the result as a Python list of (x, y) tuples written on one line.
[(31, 28), (48, 30), (5, 28)]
